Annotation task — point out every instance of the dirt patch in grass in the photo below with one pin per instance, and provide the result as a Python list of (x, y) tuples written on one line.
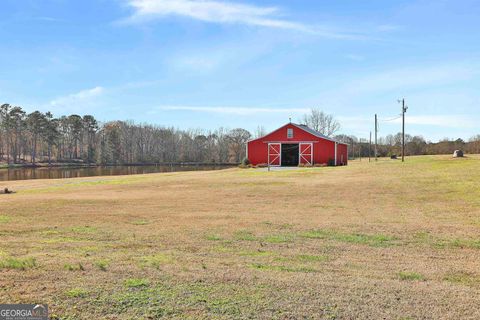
[(213, 237), (279, 238), (244, 235), (266, 267), (74, 267)]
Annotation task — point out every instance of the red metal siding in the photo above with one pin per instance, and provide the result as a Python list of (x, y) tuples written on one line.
[(323, 150), (257, 152), (342, 155)]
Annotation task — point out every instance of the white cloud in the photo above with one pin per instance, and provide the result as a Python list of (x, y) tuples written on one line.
[(76, 101), (211, 11), (223, 12), (243, 111)]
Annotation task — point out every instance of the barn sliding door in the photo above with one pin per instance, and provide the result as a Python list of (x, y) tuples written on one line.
[(306, 154), (274, 154)]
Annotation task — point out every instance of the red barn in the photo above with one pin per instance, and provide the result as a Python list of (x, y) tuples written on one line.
[(296, 144)]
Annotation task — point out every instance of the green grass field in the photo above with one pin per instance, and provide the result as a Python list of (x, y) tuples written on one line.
[(379, 240)]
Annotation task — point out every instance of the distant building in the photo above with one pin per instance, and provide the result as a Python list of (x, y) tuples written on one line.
[(296, 144)]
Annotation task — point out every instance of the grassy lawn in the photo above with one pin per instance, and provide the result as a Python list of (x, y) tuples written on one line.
[(379, 240)]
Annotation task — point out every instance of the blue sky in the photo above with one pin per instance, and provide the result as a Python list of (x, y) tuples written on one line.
[(207, 64)]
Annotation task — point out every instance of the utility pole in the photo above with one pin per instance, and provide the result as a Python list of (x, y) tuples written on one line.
[(370, 148), (404, 109), (360, 150), (353, 149), (376, 132)]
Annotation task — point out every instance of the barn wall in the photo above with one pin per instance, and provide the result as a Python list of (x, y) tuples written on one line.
[(342, 150), (257, 152), (323, 151)]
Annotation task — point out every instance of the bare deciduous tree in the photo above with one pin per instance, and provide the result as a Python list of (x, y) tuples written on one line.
[(238, 138), (259, 132), (321, 122)]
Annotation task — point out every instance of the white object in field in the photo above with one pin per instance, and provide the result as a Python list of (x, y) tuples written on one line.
[(458, 154)]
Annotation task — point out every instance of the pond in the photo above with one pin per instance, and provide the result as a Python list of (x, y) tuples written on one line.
[(75, 172)]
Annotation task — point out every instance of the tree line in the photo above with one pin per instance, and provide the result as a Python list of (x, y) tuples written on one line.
[(391, 145), (39, 137)]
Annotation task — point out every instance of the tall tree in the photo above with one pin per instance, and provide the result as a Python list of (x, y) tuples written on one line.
[(50, 134), (321, 122), (36, 122), (237, 140), (17, 123), (5, 125), (91, 126), (75, 124)]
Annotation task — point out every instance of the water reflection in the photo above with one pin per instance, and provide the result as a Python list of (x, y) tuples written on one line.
[(63, 173)]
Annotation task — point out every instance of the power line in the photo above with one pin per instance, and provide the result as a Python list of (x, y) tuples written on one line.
[(392, 119)]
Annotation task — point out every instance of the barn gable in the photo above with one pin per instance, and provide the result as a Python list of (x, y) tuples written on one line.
[(282, 133)]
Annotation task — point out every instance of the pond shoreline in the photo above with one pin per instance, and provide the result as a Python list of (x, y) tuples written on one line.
[(74, 165), (64, 172)]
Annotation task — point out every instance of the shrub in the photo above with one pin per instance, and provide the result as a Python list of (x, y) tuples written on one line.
[(331, 162), (245, 162)]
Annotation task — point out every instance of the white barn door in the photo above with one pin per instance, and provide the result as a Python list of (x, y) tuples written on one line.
[(306, 154), (275, 154)]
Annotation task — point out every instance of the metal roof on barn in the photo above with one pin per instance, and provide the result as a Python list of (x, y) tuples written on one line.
[(314, 132)]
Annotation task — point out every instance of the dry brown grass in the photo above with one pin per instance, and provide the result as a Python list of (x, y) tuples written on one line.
[(369, 241)]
